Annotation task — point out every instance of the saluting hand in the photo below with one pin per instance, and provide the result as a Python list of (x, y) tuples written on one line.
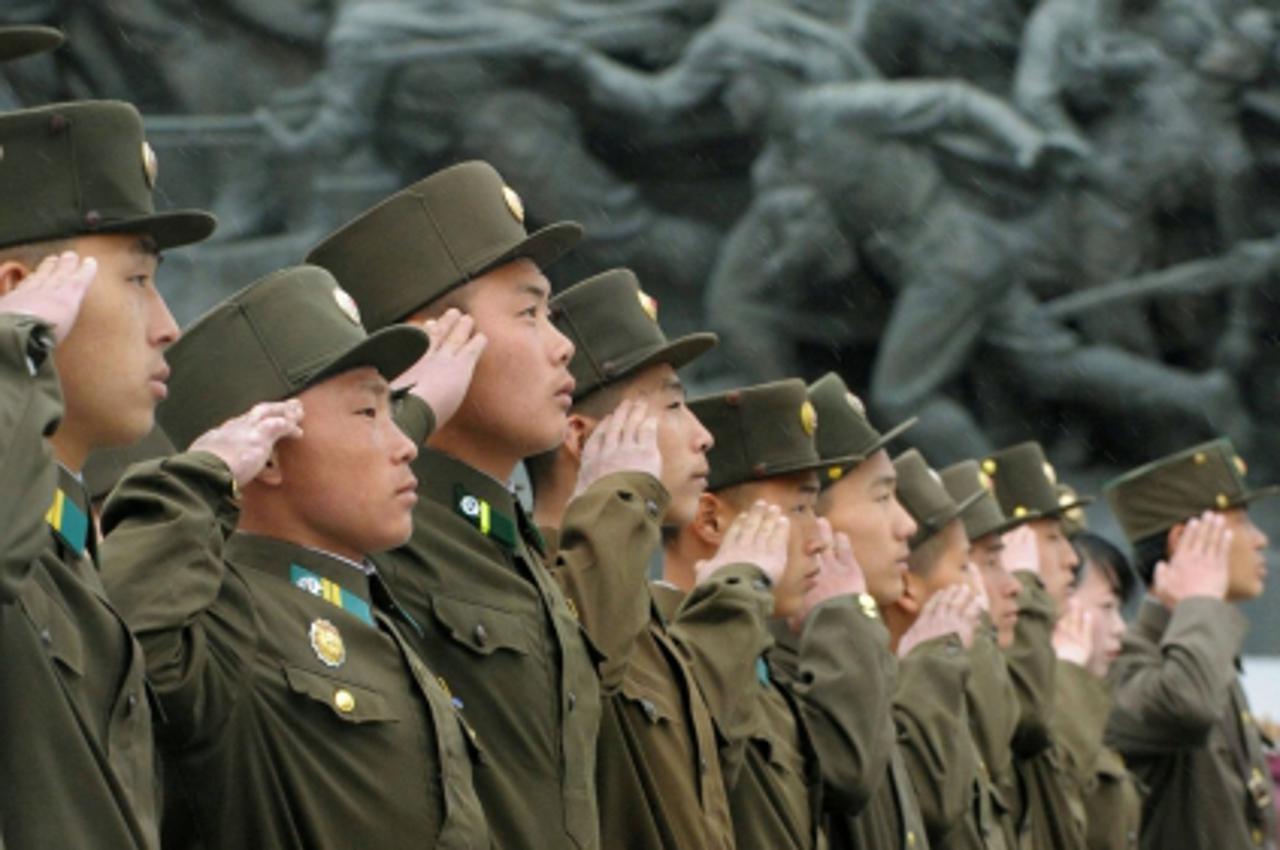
[(1073, 634), (54, 292), (952, 610), (245, 443), (624, 441), (443, 375), (757, 536), (1199, 566), (1021, 551), (839, 573)]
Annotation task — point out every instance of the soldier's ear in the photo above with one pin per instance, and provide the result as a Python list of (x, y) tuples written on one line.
[(912, 599), (12, 273), (576, 435), (708, 523), (271, 474)]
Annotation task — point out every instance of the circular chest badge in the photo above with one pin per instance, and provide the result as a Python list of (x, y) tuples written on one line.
[(326, 640)]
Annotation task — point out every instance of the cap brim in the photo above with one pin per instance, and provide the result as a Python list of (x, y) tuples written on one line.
[(17, 42), (1056, 513), (936, 524), (391, 351), (168, 229), (676, 353), (847, 462), (1268, 492), (543, 247)]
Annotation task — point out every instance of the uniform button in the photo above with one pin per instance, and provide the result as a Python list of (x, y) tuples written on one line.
[(573, 700), (1257, 836), (481, 634), (911, 838), (344, 701), (650, 710), (651, 507), (130, 703), (702, 763), (46, 637)]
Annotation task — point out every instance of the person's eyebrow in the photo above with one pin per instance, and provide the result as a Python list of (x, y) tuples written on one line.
[(537, 289)]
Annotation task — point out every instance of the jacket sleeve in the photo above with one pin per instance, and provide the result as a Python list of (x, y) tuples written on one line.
[(415, 418), (1031, 667), (30, 408), (1169, 696), (608, 537), (933, 732), (722, 629), (842, 676), (164, 528)]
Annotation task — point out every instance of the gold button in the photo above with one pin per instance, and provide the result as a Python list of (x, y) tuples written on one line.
[(1200, 459), (1257, 836), (911, 838), (1019, 512), (344, 701), (989, 466), (1223, 501)]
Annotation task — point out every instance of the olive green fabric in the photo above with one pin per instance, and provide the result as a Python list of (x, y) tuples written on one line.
[(1110, 807), (432, 237), (1025, 484), (1157, 496), (993, 718), (760, 432), (613, 325), (82, 168), (892, 816), (105, 467), (984, 516), (845, 437), (921, 492), (1183, 724), (932, 719), (74, 717), (292, 701), (497, 627), (19, 41), (276, 337)]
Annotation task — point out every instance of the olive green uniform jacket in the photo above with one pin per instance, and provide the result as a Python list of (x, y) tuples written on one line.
[(497, 628), (76, 762), (1042, 808), (1109, 806), (993, 719), (1183, 725), (294, 713), (658, 772)]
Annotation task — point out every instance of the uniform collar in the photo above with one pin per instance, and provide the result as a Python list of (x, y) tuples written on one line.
[(482, 501), (339, 581), (69, 514)]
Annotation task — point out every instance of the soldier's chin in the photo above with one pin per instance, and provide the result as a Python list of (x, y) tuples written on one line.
[(127, 427)]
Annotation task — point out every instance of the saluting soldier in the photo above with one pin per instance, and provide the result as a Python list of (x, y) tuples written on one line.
[(930, 703), (1039, 555), (474, 575), (811, 743), (295, 714), (661, 784), (1181, 718), (989, 692), (859, 498), (81, 367)]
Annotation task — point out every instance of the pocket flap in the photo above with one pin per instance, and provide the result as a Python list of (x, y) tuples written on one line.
[(655, 706), (480, 628), (348, 702), (54, 627)]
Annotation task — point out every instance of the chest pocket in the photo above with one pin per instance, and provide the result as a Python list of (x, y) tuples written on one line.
[(348, 702), (54, 628), (654, 706), (481, 629)]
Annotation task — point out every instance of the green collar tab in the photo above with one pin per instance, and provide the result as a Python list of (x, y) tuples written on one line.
[(481, 514), (762, 671), (331, 592), (69, 522)]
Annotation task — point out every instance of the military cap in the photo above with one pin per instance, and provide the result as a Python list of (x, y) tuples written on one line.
[(19, 41), (280, 335), (846, 437), (984, 516), (1073, 519), (1153, 498), (432, 237), (75, 169), (1026, 484), (105, 467), (613, 325), (760, 432), (922, 493)]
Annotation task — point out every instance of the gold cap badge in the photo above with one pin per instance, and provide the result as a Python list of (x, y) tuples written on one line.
[(326, 640), (1241, 465), (989, 466), (808, 418), (514, 204), (649, 304), (347, 305), (150, 165), (1050, 473)]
